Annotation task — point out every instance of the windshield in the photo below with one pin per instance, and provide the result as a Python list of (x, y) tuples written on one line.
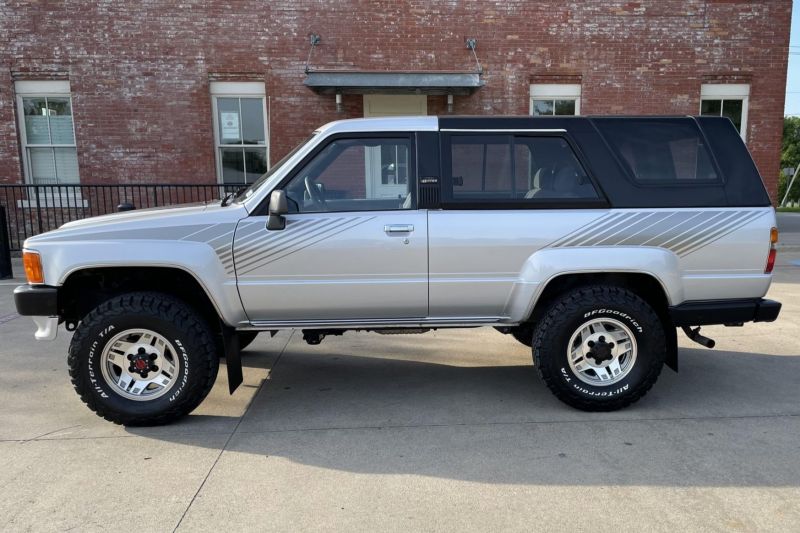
[(253, 187)]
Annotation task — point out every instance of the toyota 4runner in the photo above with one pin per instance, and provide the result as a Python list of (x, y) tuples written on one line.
[(590, 239)]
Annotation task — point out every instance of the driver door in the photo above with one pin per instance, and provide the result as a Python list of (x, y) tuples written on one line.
[(348, 251)]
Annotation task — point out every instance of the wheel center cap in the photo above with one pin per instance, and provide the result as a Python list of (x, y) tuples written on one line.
[(142, 363), (602, 352), (600, 349)]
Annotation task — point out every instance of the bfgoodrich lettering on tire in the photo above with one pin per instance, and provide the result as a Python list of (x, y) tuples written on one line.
[(142, 358), (599, 348)]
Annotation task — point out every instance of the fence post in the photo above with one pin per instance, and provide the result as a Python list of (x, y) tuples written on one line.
[(5, 246), (38, 208)]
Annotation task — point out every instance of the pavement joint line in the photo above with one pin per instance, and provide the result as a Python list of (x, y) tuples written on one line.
[(522, 423), (418, 426), (8, 318), (50, 432), (235, 428), (108, 437)]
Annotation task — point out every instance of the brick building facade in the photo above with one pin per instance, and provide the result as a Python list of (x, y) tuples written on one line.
[(148, 85)]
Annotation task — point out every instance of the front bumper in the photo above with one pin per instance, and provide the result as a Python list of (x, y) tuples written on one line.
[(702, 313), (41, 303), (36, 300)]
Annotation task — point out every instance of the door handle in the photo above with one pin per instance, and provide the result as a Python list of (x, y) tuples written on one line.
[(398, 228)]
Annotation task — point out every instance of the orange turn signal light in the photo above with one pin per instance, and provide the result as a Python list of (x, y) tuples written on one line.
[(32, 263), (773, 235)]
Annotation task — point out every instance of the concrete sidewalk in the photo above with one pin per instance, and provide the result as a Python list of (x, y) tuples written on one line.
[(450, 430)]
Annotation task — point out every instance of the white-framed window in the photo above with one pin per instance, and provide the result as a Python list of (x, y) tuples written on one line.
[(241, 130), (47, 132), (726, 100), (555, 99)]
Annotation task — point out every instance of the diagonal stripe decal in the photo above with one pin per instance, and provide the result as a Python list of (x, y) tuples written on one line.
[(682, 232), (261, 248)]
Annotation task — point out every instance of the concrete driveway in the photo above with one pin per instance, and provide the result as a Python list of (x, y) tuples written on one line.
[(444, 431)]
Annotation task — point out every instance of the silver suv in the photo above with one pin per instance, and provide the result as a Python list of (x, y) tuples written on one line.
[(590, 239)]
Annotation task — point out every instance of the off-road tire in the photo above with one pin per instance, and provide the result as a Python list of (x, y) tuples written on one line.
[(164, 315), (566, 315)]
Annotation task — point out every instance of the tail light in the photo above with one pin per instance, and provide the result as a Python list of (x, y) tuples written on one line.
[(773, 240)]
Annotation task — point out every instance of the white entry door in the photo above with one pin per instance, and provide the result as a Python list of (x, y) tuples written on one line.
[(387, 169)]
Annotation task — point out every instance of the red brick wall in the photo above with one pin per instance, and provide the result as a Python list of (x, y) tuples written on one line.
[(140, 75)]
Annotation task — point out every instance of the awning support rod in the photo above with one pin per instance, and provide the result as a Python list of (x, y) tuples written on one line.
[(472, 43), (315, 40)]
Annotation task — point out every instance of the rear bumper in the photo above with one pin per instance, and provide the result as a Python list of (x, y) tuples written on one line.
[(36, 300), (707, 312)]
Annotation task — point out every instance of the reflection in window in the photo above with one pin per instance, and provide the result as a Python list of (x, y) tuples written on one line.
[(355, 175), (394, 165), (554, 107)]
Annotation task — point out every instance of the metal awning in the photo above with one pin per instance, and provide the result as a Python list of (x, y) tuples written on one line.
[(392, 82)]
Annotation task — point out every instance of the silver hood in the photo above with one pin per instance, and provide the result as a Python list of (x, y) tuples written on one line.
[(160, 223)]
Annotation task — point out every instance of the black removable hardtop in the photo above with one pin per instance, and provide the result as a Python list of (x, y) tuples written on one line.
[(632, 159)]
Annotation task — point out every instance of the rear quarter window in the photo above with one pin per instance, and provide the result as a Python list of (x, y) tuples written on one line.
[(660, 152)]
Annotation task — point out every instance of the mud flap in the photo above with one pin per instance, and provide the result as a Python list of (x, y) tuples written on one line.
[(233, 359), (672, 349)]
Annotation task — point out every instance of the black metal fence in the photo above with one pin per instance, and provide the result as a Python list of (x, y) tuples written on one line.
[(34, 209)]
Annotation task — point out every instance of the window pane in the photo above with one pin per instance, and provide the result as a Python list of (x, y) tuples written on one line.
[(711, 107), (565, 107), (253, 121), (659, 150), (481, 163), (255, 163), (524, 172), (36, 111), (553, 171), (542, 107), (232, 165), (43, 170), (228, 118), (544, 167), (66, 165), (394, 164), (353, 175), (60, 121), (733, 110), (345, 176)]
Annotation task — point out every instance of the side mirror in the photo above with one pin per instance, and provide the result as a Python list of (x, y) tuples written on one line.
[(278, 206)]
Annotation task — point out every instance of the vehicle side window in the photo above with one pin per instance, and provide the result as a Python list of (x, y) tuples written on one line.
[(355, 175), (660, 151), (516, 167)]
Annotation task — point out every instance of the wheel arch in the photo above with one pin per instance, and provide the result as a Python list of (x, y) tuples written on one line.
[(645, 285), (85, 288)]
